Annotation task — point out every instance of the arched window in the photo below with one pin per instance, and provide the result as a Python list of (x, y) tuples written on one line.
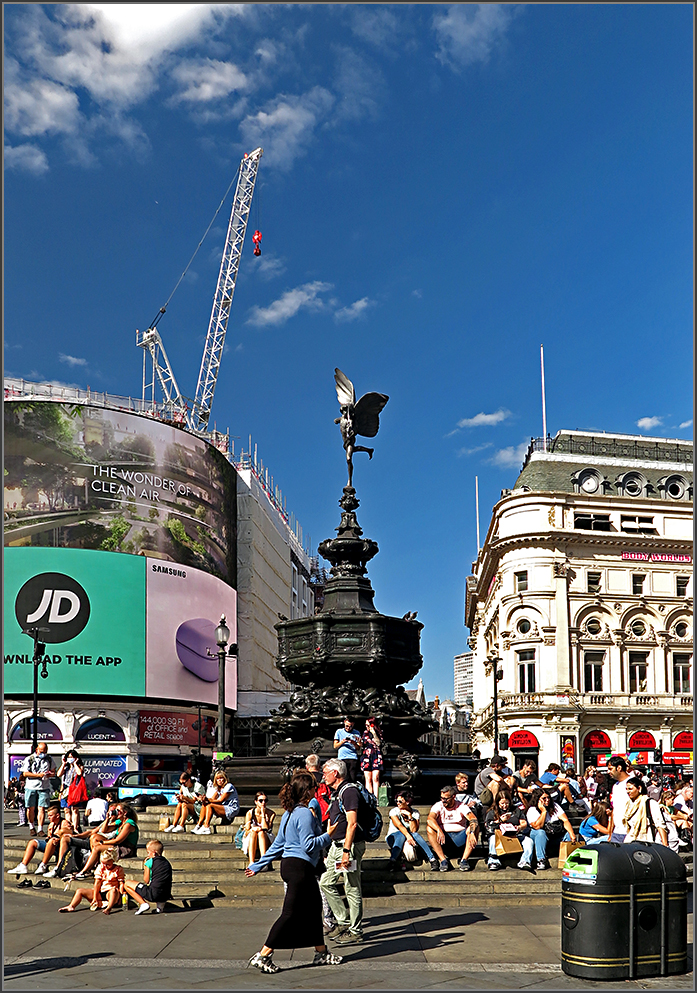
[(100, 729), (47, 730)]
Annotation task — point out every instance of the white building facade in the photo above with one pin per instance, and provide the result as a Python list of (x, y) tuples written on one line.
[(583, 591)]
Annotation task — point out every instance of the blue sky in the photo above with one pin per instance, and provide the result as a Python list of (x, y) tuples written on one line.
[(443, 189)]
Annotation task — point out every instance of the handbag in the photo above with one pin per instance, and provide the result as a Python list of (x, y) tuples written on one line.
[(239, 836), (77, 791), (409, 851), (554, 828), (565, 849), (507, 844)]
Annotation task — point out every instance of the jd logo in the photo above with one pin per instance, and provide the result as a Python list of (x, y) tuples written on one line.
[(54, 602)]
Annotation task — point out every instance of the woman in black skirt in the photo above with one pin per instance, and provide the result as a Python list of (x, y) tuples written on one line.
[(299, 844)]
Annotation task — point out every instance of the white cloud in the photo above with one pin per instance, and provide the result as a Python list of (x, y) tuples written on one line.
[(646, 423), (71, 360), (511, 457), (304, 297), (286, 127), (468, 32), (270, 267), (686, 424), (37, 106), (28, 158), (354, 311), (484, 420), (417, 293), (471, 451), (357, 83), (204, 80)]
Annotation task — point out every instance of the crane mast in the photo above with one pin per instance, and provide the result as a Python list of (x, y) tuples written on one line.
[(175, 404), (227, 279)]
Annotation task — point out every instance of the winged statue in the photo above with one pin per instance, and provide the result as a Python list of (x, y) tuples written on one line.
[(357, 417)]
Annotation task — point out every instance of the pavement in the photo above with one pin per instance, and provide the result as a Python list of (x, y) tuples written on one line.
[(486, 947)]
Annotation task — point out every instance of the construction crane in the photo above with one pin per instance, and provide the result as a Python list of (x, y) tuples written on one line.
[(196, 415)]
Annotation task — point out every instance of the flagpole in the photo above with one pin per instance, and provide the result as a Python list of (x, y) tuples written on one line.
[(544, 407)]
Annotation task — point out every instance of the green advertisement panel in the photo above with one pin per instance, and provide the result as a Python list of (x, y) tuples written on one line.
[(88, 608)]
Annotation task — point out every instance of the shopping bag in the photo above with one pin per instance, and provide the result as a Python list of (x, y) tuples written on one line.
[(507, 844), (163, 823), (565, 849)]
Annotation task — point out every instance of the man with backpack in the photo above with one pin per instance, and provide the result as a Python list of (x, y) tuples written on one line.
[(349, 811)]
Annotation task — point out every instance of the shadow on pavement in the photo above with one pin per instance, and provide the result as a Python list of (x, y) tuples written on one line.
[(49, 965)]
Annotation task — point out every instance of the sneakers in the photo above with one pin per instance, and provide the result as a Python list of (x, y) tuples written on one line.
[(394, 866), (32, 832), (464, 866), (202, 830), (20, 870), (40, 834), (143, 909), (160, 908), (40, 869), (435, 865), (445, 866), (526, 867), (542, 864), (263, 962), (52, 872), (335, 930), (326, 958), (168, 829), (179, 829), (349, 938), (494, 866)]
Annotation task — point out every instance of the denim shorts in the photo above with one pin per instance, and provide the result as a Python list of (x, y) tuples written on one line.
[(455, 840), (36, 798)]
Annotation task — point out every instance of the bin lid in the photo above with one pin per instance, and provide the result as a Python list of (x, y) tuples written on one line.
[(633, 862)]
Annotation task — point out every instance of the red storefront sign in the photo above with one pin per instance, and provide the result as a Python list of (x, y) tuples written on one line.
[(160, 727), (680, 758), (683, 741), (641, 741), (655, 557), (523, 739), (597, 740)]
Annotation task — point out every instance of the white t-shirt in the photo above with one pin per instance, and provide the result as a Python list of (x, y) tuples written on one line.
[(620, 802), (554, 813), (404, 816), (454, 820), (96, 810), (681, 804), (223, 797)]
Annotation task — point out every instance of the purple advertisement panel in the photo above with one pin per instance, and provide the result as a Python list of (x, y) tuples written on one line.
[(184, 607), (102, 770)]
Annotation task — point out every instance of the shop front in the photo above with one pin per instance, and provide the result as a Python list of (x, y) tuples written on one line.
[(524, 746), (597, 749)]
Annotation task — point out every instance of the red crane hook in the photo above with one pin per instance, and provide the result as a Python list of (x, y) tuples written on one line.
[(256, 238)]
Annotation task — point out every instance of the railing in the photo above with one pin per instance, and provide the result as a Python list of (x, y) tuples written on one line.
[(625, 448), (617, 701)]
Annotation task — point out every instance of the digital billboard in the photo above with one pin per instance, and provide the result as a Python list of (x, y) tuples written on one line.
[(111, 480), (115, 625)]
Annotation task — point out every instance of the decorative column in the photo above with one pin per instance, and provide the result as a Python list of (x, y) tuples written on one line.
[(561, 604)]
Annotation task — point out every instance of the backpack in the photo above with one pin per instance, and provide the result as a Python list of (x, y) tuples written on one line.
[(369, 817), (72, 862)]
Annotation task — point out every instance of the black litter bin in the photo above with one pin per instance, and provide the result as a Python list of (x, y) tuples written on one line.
[(623, 912)]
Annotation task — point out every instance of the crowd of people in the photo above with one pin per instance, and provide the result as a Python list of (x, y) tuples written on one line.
[(321, 835)]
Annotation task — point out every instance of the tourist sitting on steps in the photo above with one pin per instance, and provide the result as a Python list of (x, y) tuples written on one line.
[(404, 831), (220, 799), (189, 799), (258, 823), (48, 846), (452, 830)]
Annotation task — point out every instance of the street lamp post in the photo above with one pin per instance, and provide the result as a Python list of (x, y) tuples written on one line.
[(37, 660), (493, 663), (222, 636)]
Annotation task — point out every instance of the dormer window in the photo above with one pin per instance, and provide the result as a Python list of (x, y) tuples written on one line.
[(589, 481), (632, 484)]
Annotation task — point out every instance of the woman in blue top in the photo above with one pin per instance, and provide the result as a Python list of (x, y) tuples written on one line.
[(299, 843), (594, 828)]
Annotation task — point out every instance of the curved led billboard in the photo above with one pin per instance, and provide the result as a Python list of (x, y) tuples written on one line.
[(111, 480), (120, 535)]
